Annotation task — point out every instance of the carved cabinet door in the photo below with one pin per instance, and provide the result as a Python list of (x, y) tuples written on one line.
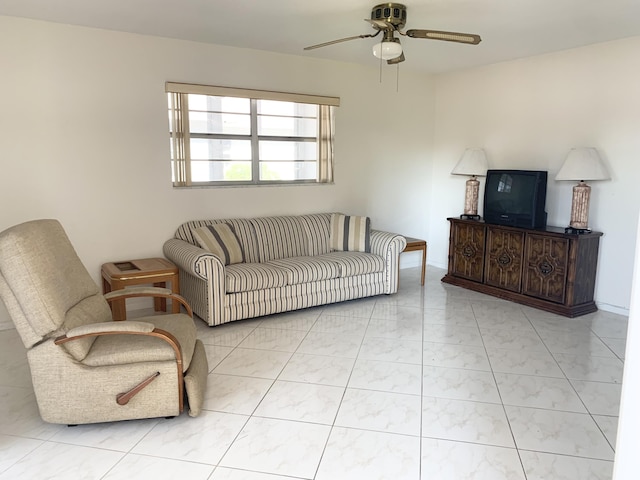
[(546, 265), (467, 250), (503, 268)]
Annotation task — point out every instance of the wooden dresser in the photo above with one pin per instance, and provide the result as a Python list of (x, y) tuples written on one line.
[(543, 268)]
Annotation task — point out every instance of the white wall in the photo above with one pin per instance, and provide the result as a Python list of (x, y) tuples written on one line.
[(627, 461), (85, 137), (527, 114)]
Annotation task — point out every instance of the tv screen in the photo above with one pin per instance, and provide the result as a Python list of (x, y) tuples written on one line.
[(516, 197)]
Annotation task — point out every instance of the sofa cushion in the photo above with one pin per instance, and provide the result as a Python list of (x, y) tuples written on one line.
[(350, 233), (307, 269), (317, 230), (355, 263), (280, 237), (243, 277), (220, 239)]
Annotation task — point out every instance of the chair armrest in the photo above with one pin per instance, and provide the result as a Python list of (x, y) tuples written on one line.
[(109, 327), (192, 259), (151, 291), (156, 292), (122, 328), (130, 328)]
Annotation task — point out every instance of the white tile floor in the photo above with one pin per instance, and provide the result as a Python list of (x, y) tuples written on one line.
[(432, 383)]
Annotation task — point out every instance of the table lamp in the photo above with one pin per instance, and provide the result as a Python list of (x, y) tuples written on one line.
[(581, 164), (473, 163)]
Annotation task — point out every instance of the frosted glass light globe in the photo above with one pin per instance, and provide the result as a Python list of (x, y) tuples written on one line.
[(387, 50)]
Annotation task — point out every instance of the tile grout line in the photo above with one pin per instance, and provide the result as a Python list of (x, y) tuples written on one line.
[(573, 388), (504, 409), (333, 423)]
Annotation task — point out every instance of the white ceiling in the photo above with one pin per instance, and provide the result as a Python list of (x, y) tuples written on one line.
[(509, 28)]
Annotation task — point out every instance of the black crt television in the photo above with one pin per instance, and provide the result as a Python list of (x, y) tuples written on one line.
[(516, 198)]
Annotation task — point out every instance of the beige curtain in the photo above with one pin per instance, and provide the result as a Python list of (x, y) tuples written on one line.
[(325, 144), (179, 113)]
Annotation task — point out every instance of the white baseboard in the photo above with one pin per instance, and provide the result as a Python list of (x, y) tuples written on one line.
[(613, 309)]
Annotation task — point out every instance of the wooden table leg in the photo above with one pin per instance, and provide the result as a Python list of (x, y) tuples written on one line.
[(160, 304), (118, 307), (424, 263), (413, 245), (175, 287)]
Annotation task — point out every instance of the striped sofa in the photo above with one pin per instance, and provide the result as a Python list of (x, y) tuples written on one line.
[(288, 265)]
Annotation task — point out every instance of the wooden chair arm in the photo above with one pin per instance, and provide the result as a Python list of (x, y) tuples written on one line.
[(156, 292)]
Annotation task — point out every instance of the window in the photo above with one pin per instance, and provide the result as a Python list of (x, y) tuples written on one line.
[(230, 136)]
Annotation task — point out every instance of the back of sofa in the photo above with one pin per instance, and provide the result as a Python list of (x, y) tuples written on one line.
[(272, 238)]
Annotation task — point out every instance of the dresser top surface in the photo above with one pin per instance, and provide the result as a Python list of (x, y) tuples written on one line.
[(547, 229)]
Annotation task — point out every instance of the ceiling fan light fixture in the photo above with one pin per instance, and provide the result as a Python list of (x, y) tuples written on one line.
[(390, 18), (387, 50)]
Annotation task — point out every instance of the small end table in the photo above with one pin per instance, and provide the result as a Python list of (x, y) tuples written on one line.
[(414, 245), (158, 271)]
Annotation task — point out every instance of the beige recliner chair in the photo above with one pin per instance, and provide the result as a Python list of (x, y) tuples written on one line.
[(85, 367)]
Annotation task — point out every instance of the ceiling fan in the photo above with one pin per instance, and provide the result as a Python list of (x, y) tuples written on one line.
[(389, 18)]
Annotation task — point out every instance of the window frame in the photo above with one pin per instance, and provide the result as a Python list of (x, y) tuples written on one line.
[(181, 135)]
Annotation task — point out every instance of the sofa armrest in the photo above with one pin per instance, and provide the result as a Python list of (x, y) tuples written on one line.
[(193, 259), (381, 242), (205, 286), (388, 246)]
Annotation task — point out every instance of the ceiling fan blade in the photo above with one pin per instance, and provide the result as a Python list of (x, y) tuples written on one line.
[(379, 24), (398, 59), (469, 38), (325, 44)]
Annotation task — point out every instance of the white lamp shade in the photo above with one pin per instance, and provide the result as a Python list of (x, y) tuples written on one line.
[(473, 163), (387, 50), (583, 163)]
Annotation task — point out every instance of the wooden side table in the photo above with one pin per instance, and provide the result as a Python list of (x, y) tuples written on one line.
[(414, 245), (158, 271)]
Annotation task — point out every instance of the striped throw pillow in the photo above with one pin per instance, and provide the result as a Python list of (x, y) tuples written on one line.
[(349, 233), (222, 240)]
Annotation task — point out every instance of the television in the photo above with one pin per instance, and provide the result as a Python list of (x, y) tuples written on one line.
[(516, 198)]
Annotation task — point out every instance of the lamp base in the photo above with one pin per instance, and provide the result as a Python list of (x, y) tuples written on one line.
[(471, 197), (466, 216), (577, 231), (580, 206)]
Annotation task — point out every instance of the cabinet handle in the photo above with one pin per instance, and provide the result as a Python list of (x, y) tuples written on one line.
[(468, 251), (545, 268), (504, 259)]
